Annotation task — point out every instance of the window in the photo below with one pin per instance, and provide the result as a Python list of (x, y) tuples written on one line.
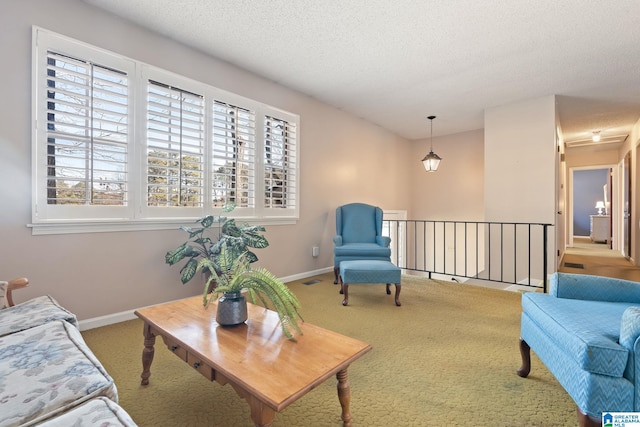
[(86, 133), (175, 147), (122, 145), (279, 163), (233, 176)]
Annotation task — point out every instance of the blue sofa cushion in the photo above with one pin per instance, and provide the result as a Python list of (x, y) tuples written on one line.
[(588, 331), (595, 288), (630, 326), (629, 333)]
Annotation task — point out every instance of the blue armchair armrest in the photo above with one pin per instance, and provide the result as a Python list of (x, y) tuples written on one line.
[(593, 288), (383, 241), (337, 240)]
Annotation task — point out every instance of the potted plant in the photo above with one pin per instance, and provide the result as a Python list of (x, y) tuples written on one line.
[(221, 249), (206, 241), (233, 274)]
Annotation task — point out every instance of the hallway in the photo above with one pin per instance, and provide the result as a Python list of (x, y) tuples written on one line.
[(597, 259)]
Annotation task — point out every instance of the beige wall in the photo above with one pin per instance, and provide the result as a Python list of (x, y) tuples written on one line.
[(456, 190), (520, 178), (343, 159), (576, 158), (520, 160), (454, 193)]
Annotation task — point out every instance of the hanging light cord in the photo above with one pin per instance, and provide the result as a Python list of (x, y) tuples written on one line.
[(431, 137)]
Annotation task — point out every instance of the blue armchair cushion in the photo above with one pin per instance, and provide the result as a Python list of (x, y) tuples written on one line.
[(355, 249), (359, 223), (588, 331)]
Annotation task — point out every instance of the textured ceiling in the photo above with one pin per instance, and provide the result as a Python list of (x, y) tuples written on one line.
[(395, 62)]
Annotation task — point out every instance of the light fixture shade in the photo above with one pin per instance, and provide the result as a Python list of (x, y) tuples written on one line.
[(599, 206), (431, 162), (596, 136)]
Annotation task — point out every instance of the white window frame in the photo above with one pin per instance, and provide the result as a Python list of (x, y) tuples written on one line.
[(136, 215)]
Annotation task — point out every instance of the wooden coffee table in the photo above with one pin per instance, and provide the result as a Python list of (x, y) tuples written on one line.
[(263, 367)]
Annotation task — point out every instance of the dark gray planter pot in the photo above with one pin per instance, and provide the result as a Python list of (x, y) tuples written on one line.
[(232, 309)]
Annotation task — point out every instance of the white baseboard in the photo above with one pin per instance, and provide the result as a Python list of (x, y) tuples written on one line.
[(307, 274), (123, 316), (108, 319)]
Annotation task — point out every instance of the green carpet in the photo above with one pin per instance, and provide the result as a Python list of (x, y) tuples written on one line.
[(447, 357)]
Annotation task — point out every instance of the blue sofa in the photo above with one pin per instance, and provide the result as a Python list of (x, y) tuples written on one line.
[(585, 331)]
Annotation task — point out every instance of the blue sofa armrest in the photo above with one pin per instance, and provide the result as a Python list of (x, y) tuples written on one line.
[(383, 241), (593, 288), (337, 240)]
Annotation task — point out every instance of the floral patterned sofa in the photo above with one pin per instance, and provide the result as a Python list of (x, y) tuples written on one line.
[(48, 375)]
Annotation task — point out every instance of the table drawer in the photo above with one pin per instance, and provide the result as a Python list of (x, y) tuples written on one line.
[(201, 367), (175, 348)]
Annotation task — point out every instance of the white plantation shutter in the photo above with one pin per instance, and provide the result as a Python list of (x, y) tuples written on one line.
[(121, 145), (175, 147), (280, 163), (86, 133), (233, 156)]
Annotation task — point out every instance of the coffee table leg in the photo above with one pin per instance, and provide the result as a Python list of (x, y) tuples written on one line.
[(147, 353), (261, 415), (344, 395)]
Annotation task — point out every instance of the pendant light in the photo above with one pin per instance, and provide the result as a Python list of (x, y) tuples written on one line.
[(431, 161)]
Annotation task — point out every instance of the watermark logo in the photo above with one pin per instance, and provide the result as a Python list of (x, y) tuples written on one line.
[(621, 419)]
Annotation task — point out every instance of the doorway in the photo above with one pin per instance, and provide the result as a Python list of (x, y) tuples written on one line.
[(592, 206)]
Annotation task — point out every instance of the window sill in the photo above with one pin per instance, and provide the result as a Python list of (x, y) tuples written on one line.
[(78, 227)]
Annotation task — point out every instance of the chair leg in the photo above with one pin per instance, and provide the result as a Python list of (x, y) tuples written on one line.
[(525, 352), (397, 296), (345, 291), (585, 420), (335, 273)]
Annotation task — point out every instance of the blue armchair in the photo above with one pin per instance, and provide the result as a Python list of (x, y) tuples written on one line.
[(359, 235)]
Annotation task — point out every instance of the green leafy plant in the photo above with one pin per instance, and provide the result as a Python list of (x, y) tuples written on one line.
[(233, 274), (221, 248), (206, 241)]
